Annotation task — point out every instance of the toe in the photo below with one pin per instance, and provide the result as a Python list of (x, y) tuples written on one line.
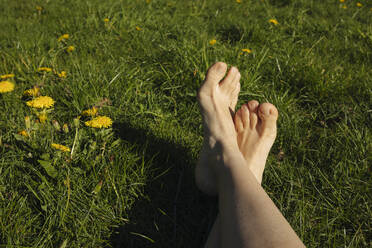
[(253, 106), (268, 115), (238, 121), (245, 116), (267, 111), (234, 96), (229, 82), (214, 75)]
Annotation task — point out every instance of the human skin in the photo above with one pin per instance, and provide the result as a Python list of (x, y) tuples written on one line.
[(247, 217)]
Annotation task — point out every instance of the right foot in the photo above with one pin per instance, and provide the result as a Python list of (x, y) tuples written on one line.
[(256, 131), (217, 100)]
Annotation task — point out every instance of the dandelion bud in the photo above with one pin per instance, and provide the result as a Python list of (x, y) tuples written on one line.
[(42, 117), (70, 49), (76, 122), (23, 133), (98, 187), (56, 125), (65, 128), (27, 122)]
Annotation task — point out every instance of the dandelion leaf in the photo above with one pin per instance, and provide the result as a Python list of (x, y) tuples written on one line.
[(19, 137), (50, 170), (115, 143), (45, 156)]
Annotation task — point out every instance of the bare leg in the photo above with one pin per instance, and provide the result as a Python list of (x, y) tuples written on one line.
[(256, 129), (248, 217)]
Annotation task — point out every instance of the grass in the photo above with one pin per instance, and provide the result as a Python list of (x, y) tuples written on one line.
[(131, 185)]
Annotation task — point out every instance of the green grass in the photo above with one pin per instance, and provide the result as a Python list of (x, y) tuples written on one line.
[(315, 66)]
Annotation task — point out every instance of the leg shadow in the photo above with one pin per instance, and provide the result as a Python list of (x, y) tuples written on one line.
[(175, 213)]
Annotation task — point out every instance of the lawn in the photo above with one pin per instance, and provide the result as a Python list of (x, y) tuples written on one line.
[(139, 64)]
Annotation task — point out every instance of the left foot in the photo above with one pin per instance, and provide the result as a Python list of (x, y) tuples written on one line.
[(256, 127)]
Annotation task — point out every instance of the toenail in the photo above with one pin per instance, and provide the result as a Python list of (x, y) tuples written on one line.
[(266, 110), (220, 66), (245, 108), (252, 105), (273, 111)]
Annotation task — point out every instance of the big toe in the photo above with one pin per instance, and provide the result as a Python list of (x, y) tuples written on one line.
[(214, 75), (231, 80), (268, 115)]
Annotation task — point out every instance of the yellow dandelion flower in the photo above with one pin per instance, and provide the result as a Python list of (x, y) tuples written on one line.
[(63, 37), (6, 76), (273, 21), (24, 133), (148, 1), (63, 74), (41, 102), (246, 50), (90, 112), (342, 1), (32, 92), (60, 147), (70, 49), (344, 7), (99, 122), (46, 69), (138, 28), (39, 8), (359, 4), (239, 1), (6, 86), (42, 117), (212, 42), (106, 20)]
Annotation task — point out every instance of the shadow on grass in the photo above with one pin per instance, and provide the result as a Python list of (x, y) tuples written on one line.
[(173, 212)]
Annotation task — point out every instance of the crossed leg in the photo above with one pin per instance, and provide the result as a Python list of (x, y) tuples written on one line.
[(256, 130), (232, 162)]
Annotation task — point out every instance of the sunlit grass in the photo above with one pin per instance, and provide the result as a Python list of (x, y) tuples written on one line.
[(138, 63)]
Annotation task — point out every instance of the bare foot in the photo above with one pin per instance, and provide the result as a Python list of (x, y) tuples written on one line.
[(256, 128), (217, 99), (256, 131)]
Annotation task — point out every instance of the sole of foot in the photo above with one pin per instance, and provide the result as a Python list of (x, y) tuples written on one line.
[(217, 99)]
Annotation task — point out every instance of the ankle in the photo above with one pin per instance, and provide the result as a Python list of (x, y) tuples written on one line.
[(230, 156)]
